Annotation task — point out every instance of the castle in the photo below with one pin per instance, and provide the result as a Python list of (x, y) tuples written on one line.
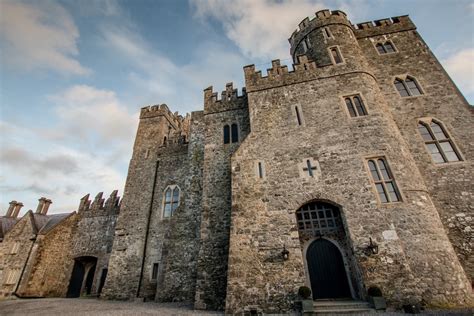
[(352, 170)]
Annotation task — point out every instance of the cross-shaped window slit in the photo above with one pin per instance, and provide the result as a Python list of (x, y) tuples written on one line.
[(309, 168)]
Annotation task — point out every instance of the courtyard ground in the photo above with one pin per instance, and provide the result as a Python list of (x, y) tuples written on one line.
[(94, 307)]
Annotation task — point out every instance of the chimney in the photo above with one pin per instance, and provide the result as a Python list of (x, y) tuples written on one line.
[(39, 209), (47, 203), (10, 209), (18, 206)]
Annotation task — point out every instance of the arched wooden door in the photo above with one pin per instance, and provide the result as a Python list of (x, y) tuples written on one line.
[(326, 271)]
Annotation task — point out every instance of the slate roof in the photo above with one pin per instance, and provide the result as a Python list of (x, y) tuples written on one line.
[(53, 220), (6, 224)]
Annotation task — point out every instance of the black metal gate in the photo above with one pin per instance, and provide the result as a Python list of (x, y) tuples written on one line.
[(326, 271)]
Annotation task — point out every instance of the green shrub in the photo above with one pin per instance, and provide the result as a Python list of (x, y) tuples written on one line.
[(304, 292)]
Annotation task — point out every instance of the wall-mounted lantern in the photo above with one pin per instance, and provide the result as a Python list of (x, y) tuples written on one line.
[(285, 253), (372, 247)]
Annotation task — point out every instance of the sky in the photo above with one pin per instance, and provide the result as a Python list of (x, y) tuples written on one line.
[(74, 74)]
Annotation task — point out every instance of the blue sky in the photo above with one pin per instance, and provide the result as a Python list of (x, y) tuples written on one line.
[(74, 74)]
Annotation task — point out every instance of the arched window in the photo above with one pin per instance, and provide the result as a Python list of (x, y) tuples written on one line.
[(171, 200), (438, 142), (385, 48), (408, 87), (235, 133), (226, 134), (355, 106), (383, 180)]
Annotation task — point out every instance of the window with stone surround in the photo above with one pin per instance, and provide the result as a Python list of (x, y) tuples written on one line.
[(336, 56), (15, 248), (298, 115), (385, 48), (11, 277), (407, 87), (170, 200), (383, 180), (438, 142), (327, 33), (355, 106)]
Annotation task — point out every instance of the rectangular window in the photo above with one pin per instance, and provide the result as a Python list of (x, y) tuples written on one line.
[(12, 276), (307, 41), (336, 55), (154, 272), (260, 170), (383, 180), (15, 248), (355, 106), (327, 33), (298, 113)]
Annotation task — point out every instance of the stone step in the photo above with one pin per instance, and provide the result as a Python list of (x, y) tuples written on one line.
[(335, 307)]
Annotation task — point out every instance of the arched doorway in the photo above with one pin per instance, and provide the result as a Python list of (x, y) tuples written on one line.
[(82, 277), (323, 239), (326, 270)]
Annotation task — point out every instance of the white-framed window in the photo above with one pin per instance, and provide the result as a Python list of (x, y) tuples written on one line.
[(438, 142), (171, 197)]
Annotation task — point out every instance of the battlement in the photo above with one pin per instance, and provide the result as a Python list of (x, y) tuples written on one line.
[(278, 74), (322, 17), (383, 26), (229, 100), (100, 206)]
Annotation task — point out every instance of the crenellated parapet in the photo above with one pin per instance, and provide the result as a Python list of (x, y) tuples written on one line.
[(230, 99), (279, 75), (321, 18), (100, 206), (383, 26)]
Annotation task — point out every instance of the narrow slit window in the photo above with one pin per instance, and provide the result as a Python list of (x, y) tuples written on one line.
[(298, 115), (408, 87), (154, 273), (260, 169), (308, 42), (327, 33), (355, 106), (164, 141), (235, 133), (226, 134), (303, 44), (438, 142), (336, 55), (383, 181)]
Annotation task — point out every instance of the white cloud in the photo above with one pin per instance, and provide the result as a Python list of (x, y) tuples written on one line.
[(86, 151), (261, 28), (460, 67), (39, 35)]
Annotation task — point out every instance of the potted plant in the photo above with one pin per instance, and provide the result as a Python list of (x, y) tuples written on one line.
[(306, 300), (376, 298)]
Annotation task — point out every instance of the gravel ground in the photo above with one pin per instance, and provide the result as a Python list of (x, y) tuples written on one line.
[(93, 307)]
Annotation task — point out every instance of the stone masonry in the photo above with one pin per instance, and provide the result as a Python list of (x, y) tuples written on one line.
[(358, 158)]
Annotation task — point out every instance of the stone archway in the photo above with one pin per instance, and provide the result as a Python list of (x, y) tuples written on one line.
[(325, 248), (82, 277)]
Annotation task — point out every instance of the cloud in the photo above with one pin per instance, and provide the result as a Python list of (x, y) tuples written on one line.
[(165, 81), (260, 28), (39, 35), (90, 114), (460, 66)]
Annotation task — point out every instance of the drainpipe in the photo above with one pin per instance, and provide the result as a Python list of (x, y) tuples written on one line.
[(33, 239), (148, 227)]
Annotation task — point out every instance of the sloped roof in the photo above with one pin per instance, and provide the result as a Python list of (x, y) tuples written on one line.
[(6, 224), (53, 220)]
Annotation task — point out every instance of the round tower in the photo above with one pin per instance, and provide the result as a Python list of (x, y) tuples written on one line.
[(327, 39)]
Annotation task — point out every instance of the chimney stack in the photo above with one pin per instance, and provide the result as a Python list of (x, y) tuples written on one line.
[(39, 209), (11, 208), (47, 203), (18, 206)]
